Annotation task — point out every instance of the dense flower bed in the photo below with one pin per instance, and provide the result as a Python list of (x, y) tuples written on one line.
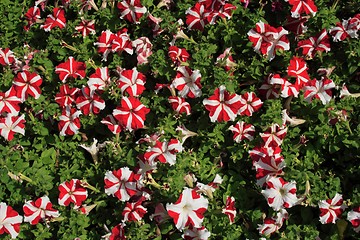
[(140, 119)]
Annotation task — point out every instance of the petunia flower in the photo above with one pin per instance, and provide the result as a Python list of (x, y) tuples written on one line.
[(354, 217), (178, 55), (320, 89), (10, 125), (69, 123), (134, 211), (39, 210), (226, 60), (94, 149), (296, 25), (266, 39), (26, 83), (273, 224), (86, 27), (268, 165), (72, 192), (121, 183), (268, 89), (274, 136), (311, 46), (10, 220), (298, 69), (279, 193), (122, 42), (188, 210), (31, 16), (9, 102), (131, 113), (302, 6), (67, 96), (164, 152), (209, 188), (179, 105), (242, 130), (249, 104), (222, 106), (100, 79), (143, 49), (192, 233), (70, 69), (287, 88), (117, 232), (331, 209), (185, 133), (57, 19), (131, 10), (187, 82), (196, 17), (132, 81), (7, 56), (230, 209), (104, 44), (113, 125), (88, 101)]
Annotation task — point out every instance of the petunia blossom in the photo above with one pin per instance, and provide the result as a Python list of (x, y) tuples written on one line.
[(72, 192), (164, 152), (230, 209), (134, 211), (188, 210), (331, 209), (57, 19), (27, 83), (242, 130), (279, 193), (222, 106), (193, 233), (70, 69), (39, 210), (354, 217), (131, 10), (69, 123), (10, 220), (312, 45), (320, 89), (132, 82), (10, 125)]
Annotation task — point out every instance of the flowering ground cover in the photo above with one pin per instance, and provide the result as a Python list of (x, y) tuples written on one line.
[(208, 119)]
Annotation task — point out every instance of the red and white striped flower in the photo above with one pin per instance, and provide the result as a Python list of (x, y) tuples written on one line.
[(354, 217), (266, 39), (346, 28), (269, 90), (298, 69), (132, 82), (88, 101), (268, 166), (296, 25), (164, 152), (26, 83), (100, 79), (279, 193), (230, 209), (117, 232), (134, 211), (242, 130), (319, 43), (287, 88), (121, 183), (222, 106), (180, 105), (131, 10), (10, 125), (86, 27), (178, 55), (274, 136), (70, 69), (69, 123), (209, 188), (143, 48), (131, 113), (31, 16), (10, 220), (67, 96), (7, 56), (331, 209), (188, 210), (57, 19), (320, 89), (122, 42), (249, 104), (72, 192), (302, 6), (196, 17), (187, 82), (104, 43), (112, 124), (192, 233), (9, 102), (273, 224), (259, 152), (39, 210)]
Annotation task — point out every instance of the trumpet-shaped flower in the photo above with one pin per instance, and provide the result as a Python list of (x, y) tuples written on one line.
[(230, 209), (70, 69), (196, 234), (131, 10), (26, 83), (10, 125), (39, 210), (10, 220), (354, 217), (242, 130), (132, 81), (320, 89), (188, 210), (72, 192), (134, 211), (331, 209), (164, 152)]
